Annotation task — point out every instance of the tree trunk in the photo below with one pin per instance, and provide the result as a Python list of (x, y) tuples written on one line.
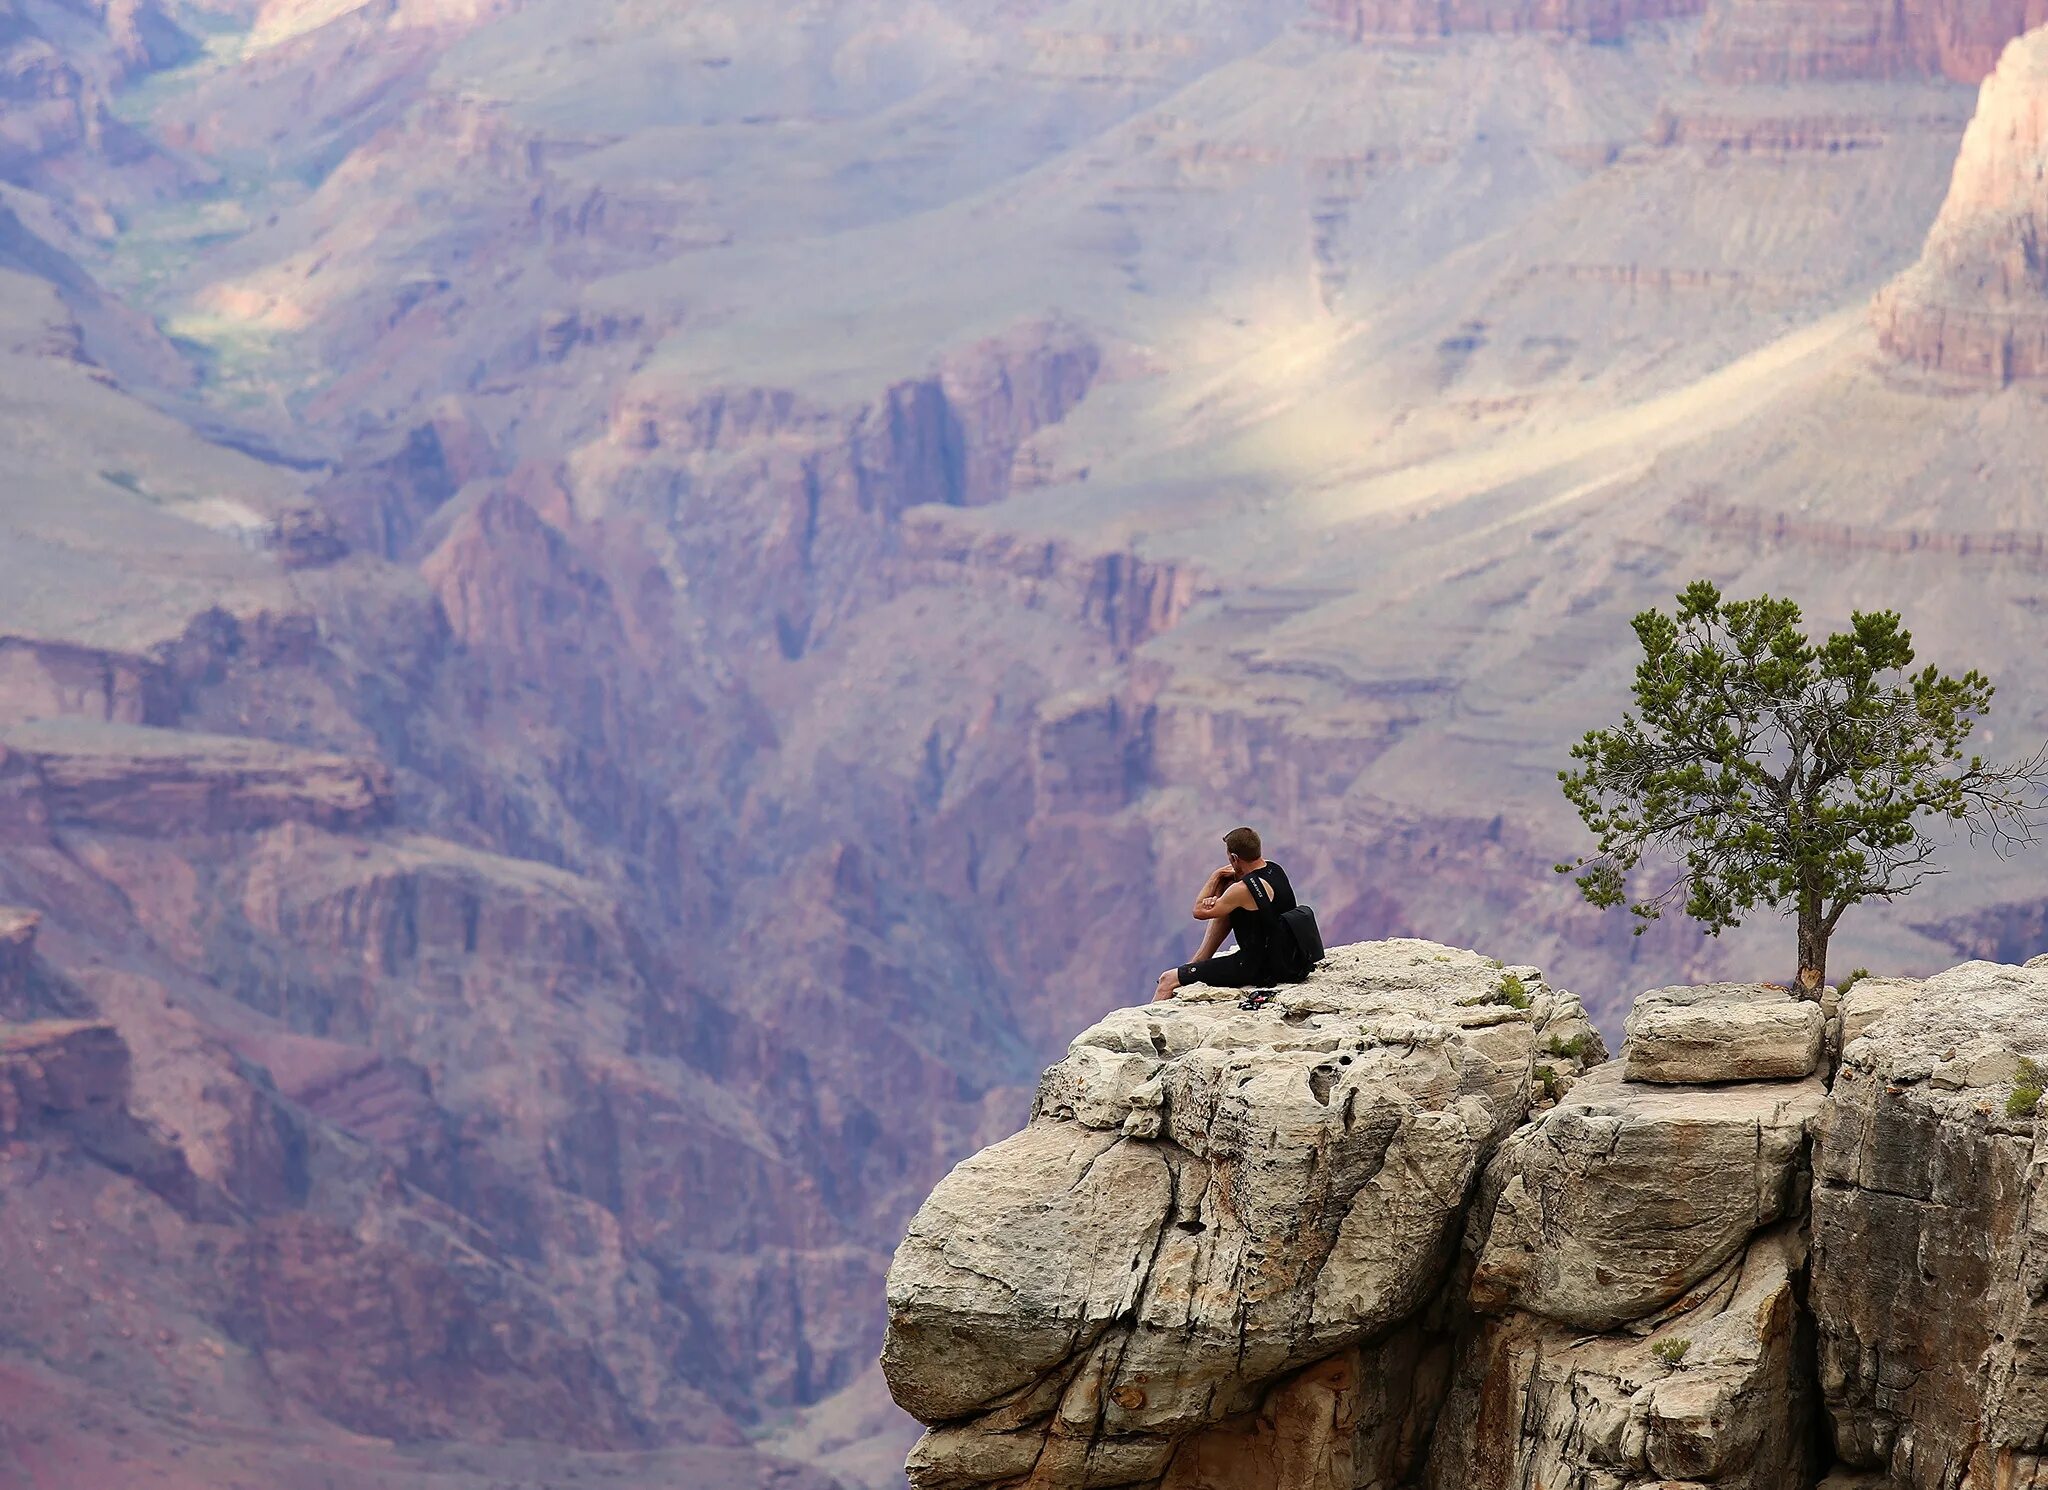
[(1813, 947)]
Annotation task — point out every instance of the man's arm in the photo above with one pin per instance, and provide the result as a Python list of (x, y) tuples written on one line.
[(1211, 888), (1219, 907)]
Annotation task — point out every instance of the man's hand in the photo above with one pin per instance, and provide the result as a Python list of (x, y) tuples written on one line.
[(1206, 904)]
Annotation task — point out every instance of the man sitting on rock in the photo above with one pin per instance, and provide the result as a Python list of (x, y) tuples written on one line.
[(1226, 902)]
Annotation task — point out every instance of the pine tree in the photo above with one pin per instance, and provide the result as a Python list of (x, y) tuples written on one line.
[(1783, 773)]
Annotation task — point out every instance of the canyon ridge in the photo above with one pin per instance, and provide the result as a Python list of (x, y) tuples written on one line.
[(616, 621)]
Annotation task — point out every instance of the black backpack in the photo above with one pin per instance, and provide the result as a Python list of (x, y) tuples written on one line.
[(1296, 933)]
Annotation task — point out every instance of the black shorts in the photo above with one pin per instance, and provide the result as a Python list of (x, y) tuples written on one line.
[(1233, 970)]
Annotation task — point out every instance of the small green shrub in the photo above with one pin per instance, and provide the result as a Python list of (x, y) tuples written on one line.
[(1512, 992), (1856, 975), (2026, 1090), (1671, 1352), (1546, 1081), (1574, 1049)]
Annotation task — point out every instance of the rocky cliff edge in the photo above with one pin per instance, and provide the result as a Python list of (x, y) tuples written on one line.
[(1407, 1226)]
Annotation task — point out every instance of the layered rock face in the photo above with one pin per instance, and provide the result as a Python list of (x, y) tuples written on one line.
[(754, 659), (1416, 20), (1791, 41), (1976, 305), (1225, 1254), (1930, 1235)]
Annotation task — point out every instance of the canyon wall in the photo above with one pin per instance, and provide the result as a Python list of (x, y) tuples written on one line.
[(1793, 41), (1741, 41), (1407, 1226), (1420, 20), (650, 650)]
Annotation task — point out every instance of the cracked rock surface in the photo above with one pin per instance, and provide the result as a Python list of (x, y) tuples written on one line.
[(1722, 1032), (1405, 1228), (1930, 1235), (1626, 1195), (1207, 1199), (1713, 1391)]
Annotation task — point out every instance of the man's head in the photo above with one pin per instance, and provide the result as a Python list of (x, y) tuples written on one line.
[(1242, 844)]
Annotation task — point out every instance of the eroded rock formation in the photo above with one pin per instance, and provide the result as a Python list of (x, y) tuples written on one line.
[(1207, 1201), (1930, 1235), (1388, 1232), (1976, 305), (1789, 41), (675, 554), (1416, 20)]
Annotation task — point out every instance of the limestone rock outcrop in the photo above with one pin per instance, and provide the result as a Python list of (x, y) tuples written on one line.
[(137, 779), (1869, 1000), (68, 1080), (1716, 1391), (1976, 304), (52, 1070), (1723, 1032), (1207, 1200), (1369, 1237), (1930, 1237), (1627, 1195)]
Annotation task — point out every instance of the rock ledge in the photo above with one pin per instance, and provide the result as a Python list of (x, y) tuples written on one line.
[(1389, 1232)]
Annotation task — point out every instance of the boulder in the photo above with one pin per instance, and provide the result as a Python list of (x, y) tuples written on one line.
[(1626, 1195), (1207, 1202), (1930, 1235), (1713, 1393), (1722, 1032), (1869, 1000)]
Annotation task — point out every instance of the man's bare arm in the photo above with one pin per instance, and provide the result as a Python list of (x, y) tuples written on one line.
[(1211, 888), (1219, 907)]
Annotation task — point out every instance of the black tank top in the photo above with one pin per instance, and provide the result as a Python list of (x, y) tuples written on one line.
[(1254, 935)]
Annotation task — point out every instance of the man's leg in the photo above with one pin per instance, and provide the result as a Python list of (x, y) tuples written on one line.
[(1234, 970), (1184, 976), (1212, 937)]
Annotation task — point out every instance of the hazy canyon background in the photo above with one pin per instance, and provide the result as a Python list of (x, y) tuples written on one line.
[(615, 619)]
